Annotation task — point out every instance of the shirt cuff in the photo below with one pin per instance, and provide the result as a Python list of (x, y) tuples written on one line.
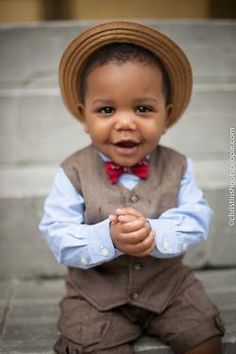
[(166, 239), (100, 246)]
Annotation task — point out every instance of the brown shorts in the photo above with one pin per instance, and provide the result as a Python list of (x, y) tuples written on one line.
[(187, 321)]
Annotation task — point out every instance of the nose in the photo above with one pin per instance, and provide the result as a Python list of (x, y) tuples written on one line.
[(125, 121)]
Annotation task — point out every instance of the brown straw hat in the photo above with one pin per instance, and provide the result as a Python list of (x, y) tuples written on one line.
[(171, 55)]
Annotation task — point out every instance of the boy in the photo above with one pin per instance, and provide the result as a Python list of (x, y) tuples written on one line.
[(123, 211)]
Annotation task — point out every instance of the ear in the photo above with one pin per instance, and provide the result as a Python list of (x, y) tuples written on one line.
[(81, 110), (168, 113)]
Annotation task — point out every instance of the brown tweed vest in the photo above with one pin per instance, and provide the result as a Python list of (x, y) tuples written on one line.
[(147, 282)]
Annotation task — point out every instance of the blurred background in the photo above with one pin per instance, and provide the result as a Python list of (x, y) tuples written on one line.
[(37, 133), (41, 10)]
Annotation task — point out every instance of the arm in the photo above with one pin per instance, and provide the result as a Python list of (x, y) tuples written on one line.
[(186, 225), (176, 229), (72, 242)]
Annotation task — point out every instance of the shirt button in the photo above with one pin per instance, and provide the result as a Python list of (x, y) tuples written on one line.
[(83, 261), (134, 198), (137, 266), (105, 252), (135, 296), (184, 246), (166, 245)]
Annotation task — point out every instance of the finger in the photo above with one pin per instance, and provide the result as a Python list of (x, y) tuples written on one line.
[(146, 252), (140, 252), (141, 242), (126, 218), (133, 226), (141, 237), (113, 218), (143, 223), (128, 210), (148, 226)]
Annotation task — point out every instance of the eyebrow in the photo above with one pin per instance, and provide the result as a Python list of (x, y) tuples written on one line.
[(110, 101), (102, 101), (145, 99)]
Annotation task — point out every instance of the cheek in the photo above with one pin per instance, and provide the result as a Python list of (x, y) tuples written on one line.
[(86, 129), (96, 130), (90, 123), (153, 130)]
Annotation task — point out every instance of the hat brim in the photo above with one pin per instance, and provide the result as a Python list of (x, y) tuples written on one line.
[(171, 55)]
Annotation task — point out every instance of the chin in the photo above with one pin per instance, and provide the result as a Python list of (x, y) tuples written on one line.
[(127, 162)]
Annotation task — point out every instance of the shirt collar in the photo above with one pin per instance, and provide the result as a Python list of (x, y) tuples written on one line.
[(104, 158)]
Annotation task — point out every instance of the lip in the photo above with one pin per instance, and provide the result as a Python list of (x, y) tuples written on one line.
[(126, 143), (126, 147)]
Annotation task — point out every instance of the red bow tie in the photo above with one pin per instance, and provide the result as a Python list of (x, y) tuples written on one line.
[(114, 171)]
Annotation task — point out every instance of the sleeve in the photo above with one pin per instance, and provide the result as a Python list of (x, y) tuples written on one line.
[(71, 241), (186, 225)]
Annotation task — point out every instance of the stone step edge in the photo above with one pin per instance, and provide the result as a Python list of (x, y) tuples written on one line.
[(35, 181), (148, 21), (51, 88)]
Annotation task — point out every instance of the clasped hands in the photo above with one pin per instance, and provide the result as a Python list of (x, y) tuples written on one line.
[(131, 232)]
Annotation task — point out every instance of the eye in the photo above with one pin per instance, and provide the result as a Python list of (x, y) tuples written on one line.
[(106, 110), (143, 109)]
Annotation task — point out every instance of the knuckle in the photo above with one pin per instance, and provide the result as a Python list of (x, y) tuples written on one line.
[(143, 221)]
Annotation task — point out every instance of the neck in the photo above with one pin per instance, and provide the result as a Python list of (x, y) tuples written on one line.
[(104, 158)]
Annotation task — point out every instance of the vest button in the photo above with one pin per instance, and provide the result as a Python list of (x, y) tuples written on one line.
[(137, 266), (134, 198), (135, 296)]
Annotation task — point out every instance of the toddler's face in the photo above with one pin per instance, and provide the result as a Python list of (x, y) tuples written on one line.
[(124, 110)]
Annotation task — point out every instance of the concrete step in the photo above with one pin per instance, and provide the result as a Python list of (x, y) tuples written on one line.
[(37, 133), (209, 44), (33, 119), (36, 128), (22, 247), (29, 312)]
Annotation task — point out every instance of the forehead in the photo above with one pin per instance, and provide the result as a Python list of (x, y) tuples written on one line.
[(114, 69), (129, 78)]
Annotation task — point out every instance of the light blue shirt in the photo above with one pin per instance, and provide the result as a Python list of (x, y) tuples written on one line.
[(76, 244)]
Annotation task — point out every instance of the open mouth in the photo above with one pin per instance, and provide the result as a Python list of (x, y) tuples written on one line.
[(127, 144), (127, 147)]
